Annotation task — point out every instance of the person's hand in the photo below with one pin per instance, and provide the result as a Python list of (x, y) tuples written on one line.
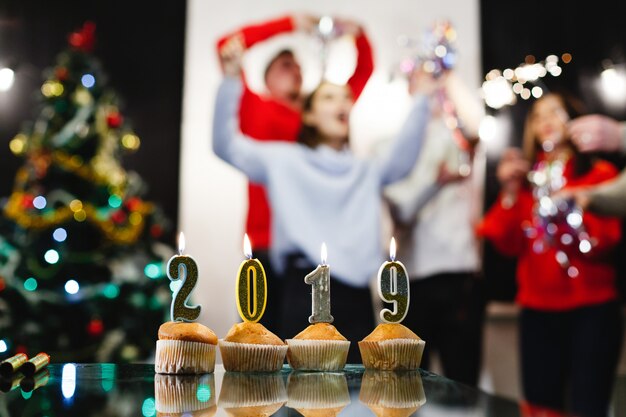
[(347, 26), (231, 55), (304, 22), (512, 171), (423, 82), (445, 176), (595, 133), (579, 194)]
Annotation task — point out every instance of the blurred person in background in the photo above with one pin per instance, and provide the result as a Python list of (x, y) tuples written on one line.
[(320, 192), (276, 114), (570, 323), (435, 211)]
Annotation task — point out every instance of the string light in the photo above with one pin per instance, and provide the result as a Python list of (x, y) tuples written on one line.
[(7, 77), (88, 80), (40, 202), (72, 287), (51, 256), (30, 284), (59, 234)]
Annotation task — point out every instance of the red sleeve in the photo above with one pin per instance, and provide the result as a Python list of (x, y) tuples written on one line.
[(606, 232), (253, 34), (364, 65), (503, 226)]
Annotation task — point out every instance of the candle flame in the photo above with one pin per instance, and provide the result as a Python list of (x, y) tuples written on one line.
[(181, 243), (392, 249), (247, 247), (324, 253)]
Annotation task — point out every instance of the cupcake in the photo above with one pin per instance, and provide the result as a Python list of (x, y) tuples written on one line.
[(250, 347), (185, 348), (391, 346), (252, 395), (184, 395), (392, 394), (319, 347), (317, 394)]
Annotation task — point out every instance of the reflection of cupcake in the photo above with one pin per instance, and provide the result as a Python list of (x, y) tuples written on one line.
[(185, 348), (392, 346), (318, 394), (392, 394), (319, 347), (252, 395), (184, 395), (250, 347)]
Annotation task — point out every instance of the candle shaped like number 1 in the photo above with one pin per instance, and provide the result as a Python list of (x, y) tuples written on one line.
[(393, 287), (251, 286), (183, 268), (320, 295)]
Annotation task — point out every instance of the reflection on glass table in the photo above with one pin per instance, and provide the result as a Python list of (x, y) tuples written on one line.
[(135, 390)]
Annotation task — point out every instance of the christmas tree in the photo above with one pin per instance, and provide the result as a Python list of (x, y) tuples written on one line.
[(81, 266)]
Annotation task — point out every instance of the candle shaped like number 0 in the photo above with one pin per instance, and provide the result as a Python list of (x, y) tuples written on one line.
[(393, 287), (320, 295), (251, 286), (183, 268)]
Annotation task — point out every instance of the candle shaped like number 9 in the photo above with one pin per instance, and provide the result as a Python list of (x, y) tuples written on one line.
[(251, 286), (183, 268), (320, 295), (393, 287)]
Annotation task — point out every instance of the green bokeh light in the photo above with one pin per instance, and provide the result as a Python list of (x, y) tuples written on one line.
[(115, 201), (148, 409), (30, 284), (153, 270), (111, 291), (203, 394)]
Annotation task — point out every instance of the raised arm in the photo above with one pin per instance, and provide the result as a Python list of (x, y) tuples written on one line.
[(255, 33), (364, 63), (250, 156)]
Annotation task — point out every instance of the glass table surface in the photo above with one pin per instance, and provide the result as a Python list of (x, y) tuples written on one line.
[(109, 390)]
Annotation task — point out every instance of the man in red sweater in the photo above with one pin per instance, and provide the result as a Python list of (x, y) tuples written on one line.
[(276, 114)]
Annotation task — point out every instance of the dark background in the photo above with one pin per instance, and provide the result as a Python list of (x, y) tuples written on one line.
[(141, 47), (592, 32)]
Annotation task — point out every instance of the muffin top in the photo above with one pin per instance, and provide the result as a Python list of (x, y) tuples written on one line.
[(253, 333), (386, 331), (189, 332), (320, 331)]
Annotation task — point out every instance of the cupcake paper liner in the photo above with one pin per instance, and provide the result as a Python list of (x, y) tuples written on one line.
[(252, 390), (317, 390), (392, 354), (391, 389), (247, 357), (183, 393), (317, 355), (183, 357)]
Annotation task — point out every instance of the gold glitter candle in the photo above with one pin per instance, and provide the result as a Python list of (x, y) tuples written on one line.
[(183, 268), (9, 366), (393, 287), (251, 287), (319, 279), (35, 364)]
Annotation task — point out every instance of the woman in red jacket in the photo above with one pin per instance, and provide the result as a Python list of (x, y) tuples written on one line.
[(570, 326)]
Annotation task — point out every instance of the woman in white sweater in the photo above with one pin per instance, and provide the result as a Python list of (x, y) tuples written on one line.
[(320, 192)]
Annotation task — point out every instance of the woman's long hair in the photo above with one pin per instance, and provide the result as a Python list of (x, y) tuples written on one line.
[(574, 108), (309, 135)]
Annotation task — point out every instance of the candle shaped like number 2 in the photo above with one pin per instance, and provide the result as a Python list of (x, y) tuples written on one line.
[(320, 280), (183, 268), (393, 287)]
